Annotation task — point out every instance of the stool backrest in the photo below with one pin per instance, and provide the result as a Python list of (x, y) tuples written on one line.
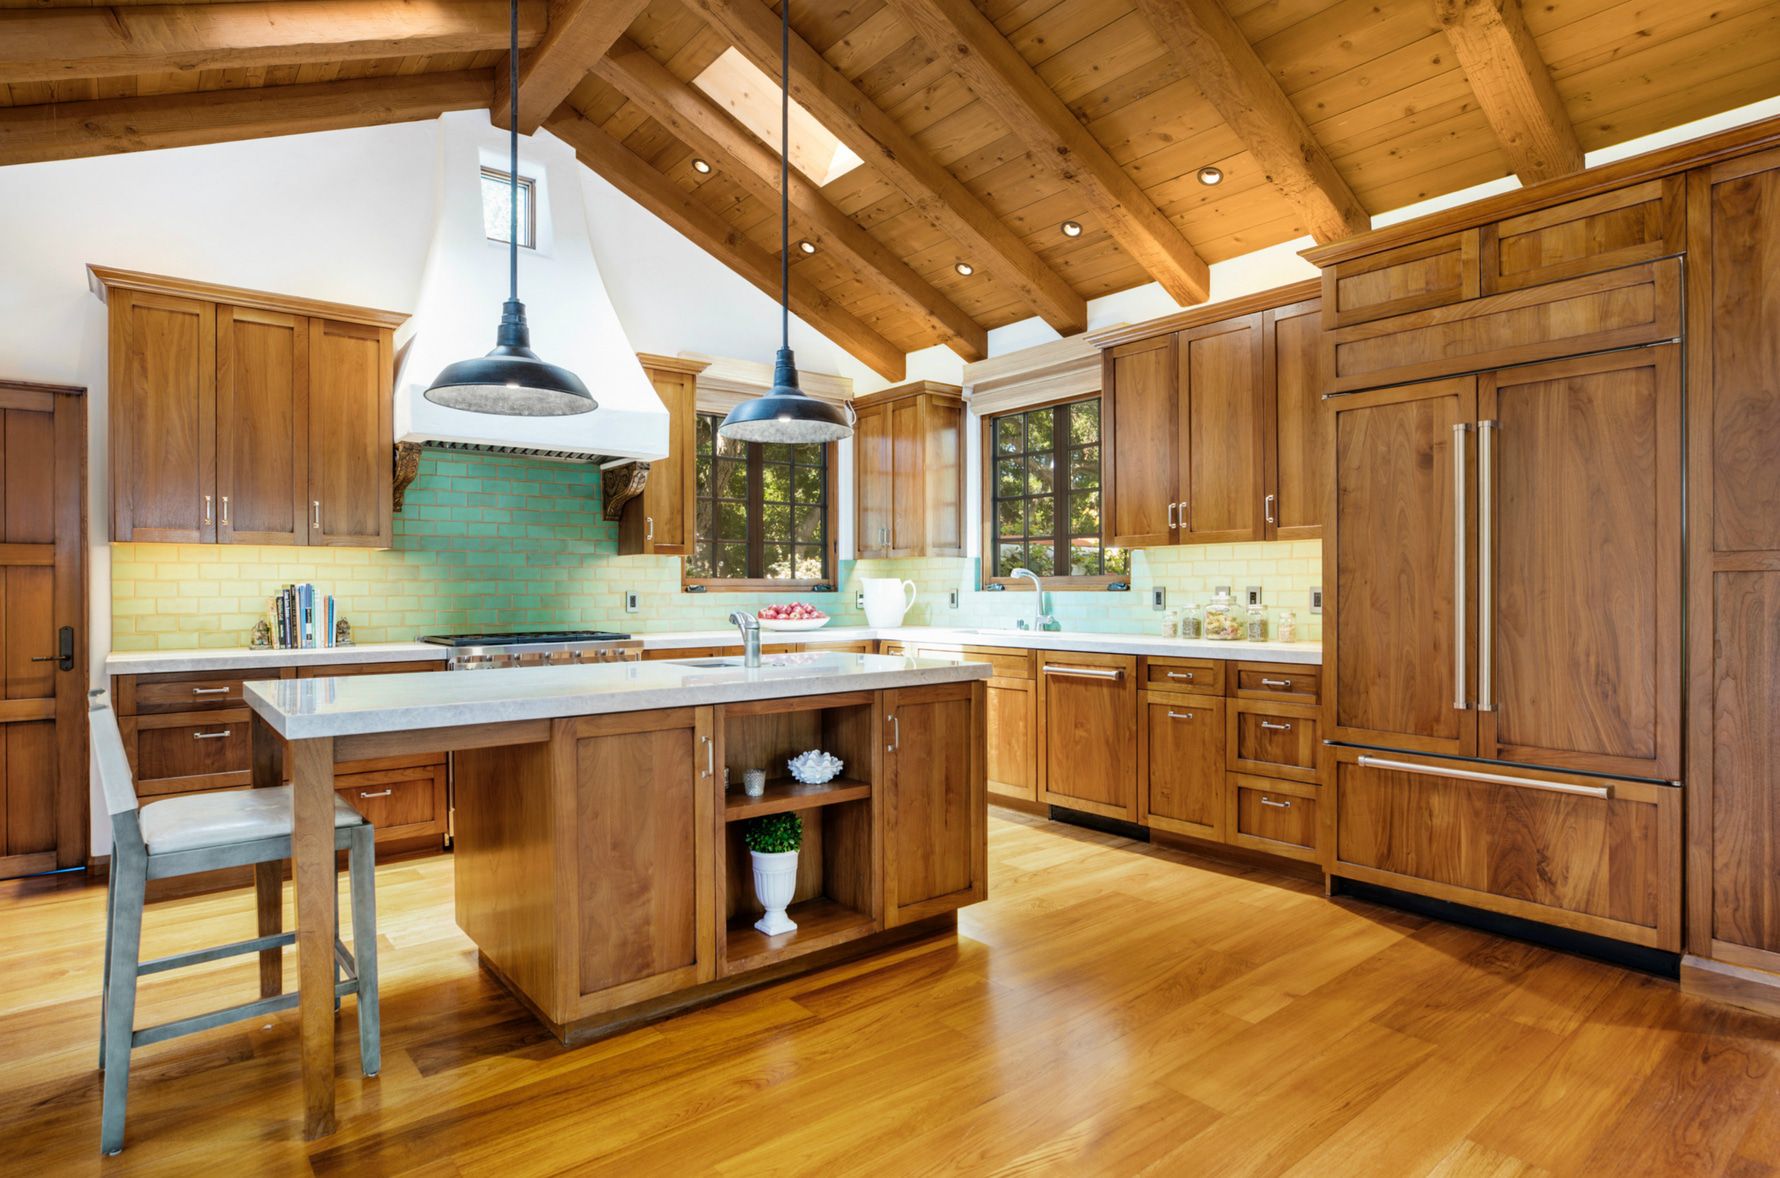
[(115, 778)]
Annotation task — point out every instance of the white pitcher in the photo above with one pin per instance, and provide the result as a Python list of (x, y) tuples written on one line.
[(886, 601)]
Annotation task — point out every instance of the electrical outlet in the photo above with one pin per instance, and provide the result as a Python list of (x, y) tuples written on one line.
[(1217, 589), (1316, 599), (630, 601), (952, 599), (1252, 595), (859, 600), (1159, 597)]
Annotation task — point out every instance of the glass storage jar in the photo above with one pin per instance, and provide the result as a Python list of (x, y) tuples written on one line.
[(1222, 624), (1257, 623), (1171, 624), (1288, 626), (1189, 622)]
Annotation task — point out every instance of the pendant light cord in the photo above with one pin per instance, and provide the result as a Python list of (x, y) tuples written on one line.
[(784, 172), (513, 153)]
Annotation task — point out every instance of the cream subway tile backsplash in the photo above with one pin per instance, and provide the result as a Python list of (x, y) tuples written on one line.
[(501, 542)]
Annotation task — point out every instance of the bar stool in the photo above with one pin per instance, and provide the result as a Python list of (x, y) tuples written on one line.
[(203, 832)]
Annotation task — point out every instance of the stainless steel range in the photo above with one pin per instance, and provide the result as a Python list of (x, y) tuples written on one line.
[(536, 648)]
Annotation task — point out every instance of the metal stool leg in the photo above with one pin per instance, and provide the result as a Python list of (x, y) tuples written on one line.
[(129, 885), (105, 966), (362, 868)]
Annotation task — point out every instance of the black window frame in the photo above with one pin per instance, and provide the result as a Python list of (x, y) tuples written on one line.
[(1112, 565), (699, 568)]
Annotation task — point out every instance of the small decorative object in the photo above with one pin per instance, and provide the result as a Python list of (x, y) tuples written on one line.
[(754, 782), (262, 635), (1288, 626), (772, 845), (1221, 622), (343, 633), (815, 767), (795, 616), (1171, 624), (1257, 623), (1189, 622)]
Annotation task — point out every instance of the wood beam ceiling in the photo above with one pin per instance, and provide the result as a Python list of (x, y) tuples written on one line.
[(1513, 86), (66, 130), (967, 42), (580, 32), (894, 154), (682, 210), (698, 122), (53, 44), (1211, 51)]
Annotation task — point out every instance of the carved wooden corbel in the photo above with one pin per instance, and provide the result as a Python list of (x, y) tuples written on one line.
[(619, 485), (407, 466)]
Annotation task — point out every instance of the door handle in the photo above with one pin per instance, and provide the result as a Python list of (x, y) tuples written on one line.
[(382, 793), (710, 756), (1180, 715), (1282, 684), (211, 735), (1172, 525), (1267, 509), (1187, 675), (225, 511), (64, 656), (895, 733), (1267, 801), (206, 509), (1460, 702), (1272, 727), (1486, 539), (1085, 672), (210, 691), (316, 506), (1556, 787), (649, 529)]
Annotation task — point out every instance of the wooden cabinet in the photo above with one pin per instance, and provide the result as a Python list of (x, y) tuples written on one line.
[(660, 522), (1011, 717), (244, 417), (1275, 816), (1180, 754), (1140, 470), (935, 820), (909, 471), (1411, 277), (1617, 228), (1087, 732), (1276, 740), (1300, 424), (1222, 440)]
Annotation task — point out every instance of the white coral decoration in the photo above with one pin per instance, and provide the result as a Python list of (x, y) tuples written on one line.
[(815, 767)]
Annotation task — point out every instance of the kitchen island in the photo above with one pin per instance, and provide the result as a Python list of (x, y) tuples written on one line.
[(600, 867)]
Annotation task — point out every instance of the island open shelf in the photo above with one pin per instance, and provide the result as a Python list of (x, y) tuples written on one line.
[(788, 795), (821, 923)]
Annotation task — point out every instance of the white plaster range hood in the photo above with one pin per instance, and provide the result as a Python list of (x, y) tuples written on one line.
[(573, 323)]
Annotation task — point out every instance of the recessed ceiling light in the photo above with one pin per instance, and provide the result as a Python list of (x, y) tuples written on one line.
[(702, 167), (1211, 174), (965, 268), (1072, 228), (807, 246)]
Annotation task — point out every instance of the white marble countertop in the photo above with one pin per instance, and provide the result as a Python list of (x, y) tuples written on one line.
[(241, 658), (298, 709)]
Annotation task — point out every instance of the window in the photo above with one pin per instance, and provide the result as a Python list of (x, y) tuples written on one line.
[(752, 98), (1043, 509), (764, 511), (497, 195)]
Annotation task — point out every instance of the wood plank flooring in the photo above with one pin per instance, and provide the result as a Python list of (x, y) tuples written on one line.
[(1112, 1009)]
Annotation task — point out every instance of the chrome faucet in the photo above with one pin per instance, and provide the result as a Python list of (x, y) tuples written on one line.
[(749, 625), (1040, 619)]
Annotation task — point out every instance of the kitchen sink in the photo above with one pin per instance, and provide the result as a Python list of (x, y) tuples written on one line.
[(705, 664)]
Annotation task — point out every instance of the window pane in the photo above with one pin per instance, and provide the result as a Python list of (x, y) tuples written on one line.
[(809, 562), (730, 448), (1009, 434), (1010, 517), (1084, 558), (698, 561), (1041, 427), (1084, 423), (732, 524), (777, 559), (1084, 513), (775, 523), (775, 483), (1084, 468), (732, 479), (809, 484), (1118, 562), (809, 525), (1039, 559), (1041, 516), (703, 476), (808, 454), (732, 560), (1039, 472), (1012, 557), (1010, 478)]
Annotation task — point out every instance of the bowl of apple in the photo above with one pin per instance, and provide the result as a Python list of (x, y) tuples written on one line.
[(793, 616)]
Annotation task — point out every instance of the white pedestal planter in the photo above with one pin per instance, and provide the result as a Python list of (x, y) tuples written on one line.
[(775, 882)]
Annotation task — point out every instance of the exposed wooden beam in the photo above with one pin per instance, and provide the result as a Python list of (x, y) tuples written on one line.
[(53, 44), (66, 130), (580, 33), (701, 124), (997, 251), (1211, 50), (967, 42), (1513, 86), (634, 177)]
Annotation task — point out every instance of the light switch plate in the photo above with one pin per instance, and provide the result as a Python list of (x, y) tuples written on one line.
[(1252, 595), (630, 601), (952, 599), (859, 600), (1316, 599), (1159, 597)]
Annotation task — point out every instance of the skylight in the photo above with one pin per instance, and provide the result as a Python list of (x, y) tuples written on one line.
[(737, 85)]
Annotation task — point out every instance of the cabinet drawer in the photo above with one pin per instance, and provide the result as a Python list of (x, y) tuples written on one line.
[(1413, 277), (1618, 228), (1597, 855), (1275, 740), (1195, 676), (1008, 663), (398, 802), (148, 695), (896, 648), (335, 670), (182, 753), (1285, 682), (1267, 817)]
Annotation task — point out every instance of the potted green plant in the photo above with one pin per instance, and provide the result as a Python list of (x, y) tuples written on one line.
[(772, 843)]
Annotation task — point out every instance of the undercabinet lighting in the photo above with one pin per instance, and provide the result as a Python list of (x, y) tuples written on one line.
[(1211, 174), (807, 246), (702, 167), (965, 268), (1071, 228)]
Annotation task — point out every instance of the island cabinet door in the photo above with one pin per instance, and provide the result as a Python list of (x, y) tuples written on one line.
[(935, 805), (1181, 750), (1087, 732)]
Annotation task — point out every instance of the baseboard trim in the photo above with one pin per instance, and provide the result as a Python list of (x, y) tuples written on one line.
[(1737, 985)]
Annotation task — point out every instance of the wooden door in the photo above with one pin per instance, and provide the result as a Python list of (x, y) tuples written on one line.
[(1140, 424), (1011, 738), (1300, 422), (163, 418), (872, 477), (1087, 732), (43, 666), (351, 442), (1181, 755), (1579, 607), (935, 808), (908, 478), (262, 445), (1403, 564), (1222, 434), (666, 524), (942, 477)]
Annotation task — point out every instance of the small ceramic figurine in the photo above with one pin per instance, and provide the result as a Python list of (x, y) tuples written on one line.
[(262, 635), (342, 633)]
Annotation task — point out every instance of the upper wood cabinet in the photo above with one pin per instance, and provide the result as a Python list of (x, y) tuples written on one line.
[(1215, 427), (908, 471), (660, 521), (244, 417)]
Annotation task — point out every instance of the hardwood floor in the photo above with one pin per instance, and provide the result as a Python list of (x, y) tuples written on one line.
[(1112, 1009)]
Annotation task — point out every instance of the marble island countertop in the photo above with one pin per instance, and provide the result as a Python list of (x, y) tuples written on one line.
[(299, 709)]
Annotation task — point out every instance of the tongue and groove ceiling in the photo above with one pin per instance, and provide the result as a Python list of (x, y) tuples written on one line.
[(984, 124)]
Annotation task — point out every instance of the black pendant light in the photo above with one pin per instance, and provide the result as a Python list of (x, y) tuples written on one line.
[(787, 413), (512, 381)]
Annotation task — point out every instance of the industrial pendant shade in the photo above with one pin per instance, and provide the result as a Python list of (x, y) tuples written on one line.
[(787, 413), (512, 381)]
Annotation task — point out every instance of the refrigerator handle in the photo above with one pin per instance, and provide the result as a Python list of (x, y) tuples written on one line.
[(1459, 699), (1486, 544)]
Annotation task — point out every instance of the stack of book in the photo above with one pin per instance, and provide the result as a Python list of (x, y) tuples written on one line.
[(303, 618)]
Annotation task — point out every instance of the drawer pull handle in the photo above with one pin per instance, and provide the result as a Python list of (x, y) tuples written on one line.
[(1270, 726), (1187, 675), (1556, 787), (210, 735), (1282, 684), (1085, 672), (382, 793), (1267, 801), (1180, 715), (210, 691)]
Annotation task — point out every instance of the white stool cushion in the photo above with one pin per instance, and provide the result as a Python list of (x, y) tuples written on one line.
[(221, 819)]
